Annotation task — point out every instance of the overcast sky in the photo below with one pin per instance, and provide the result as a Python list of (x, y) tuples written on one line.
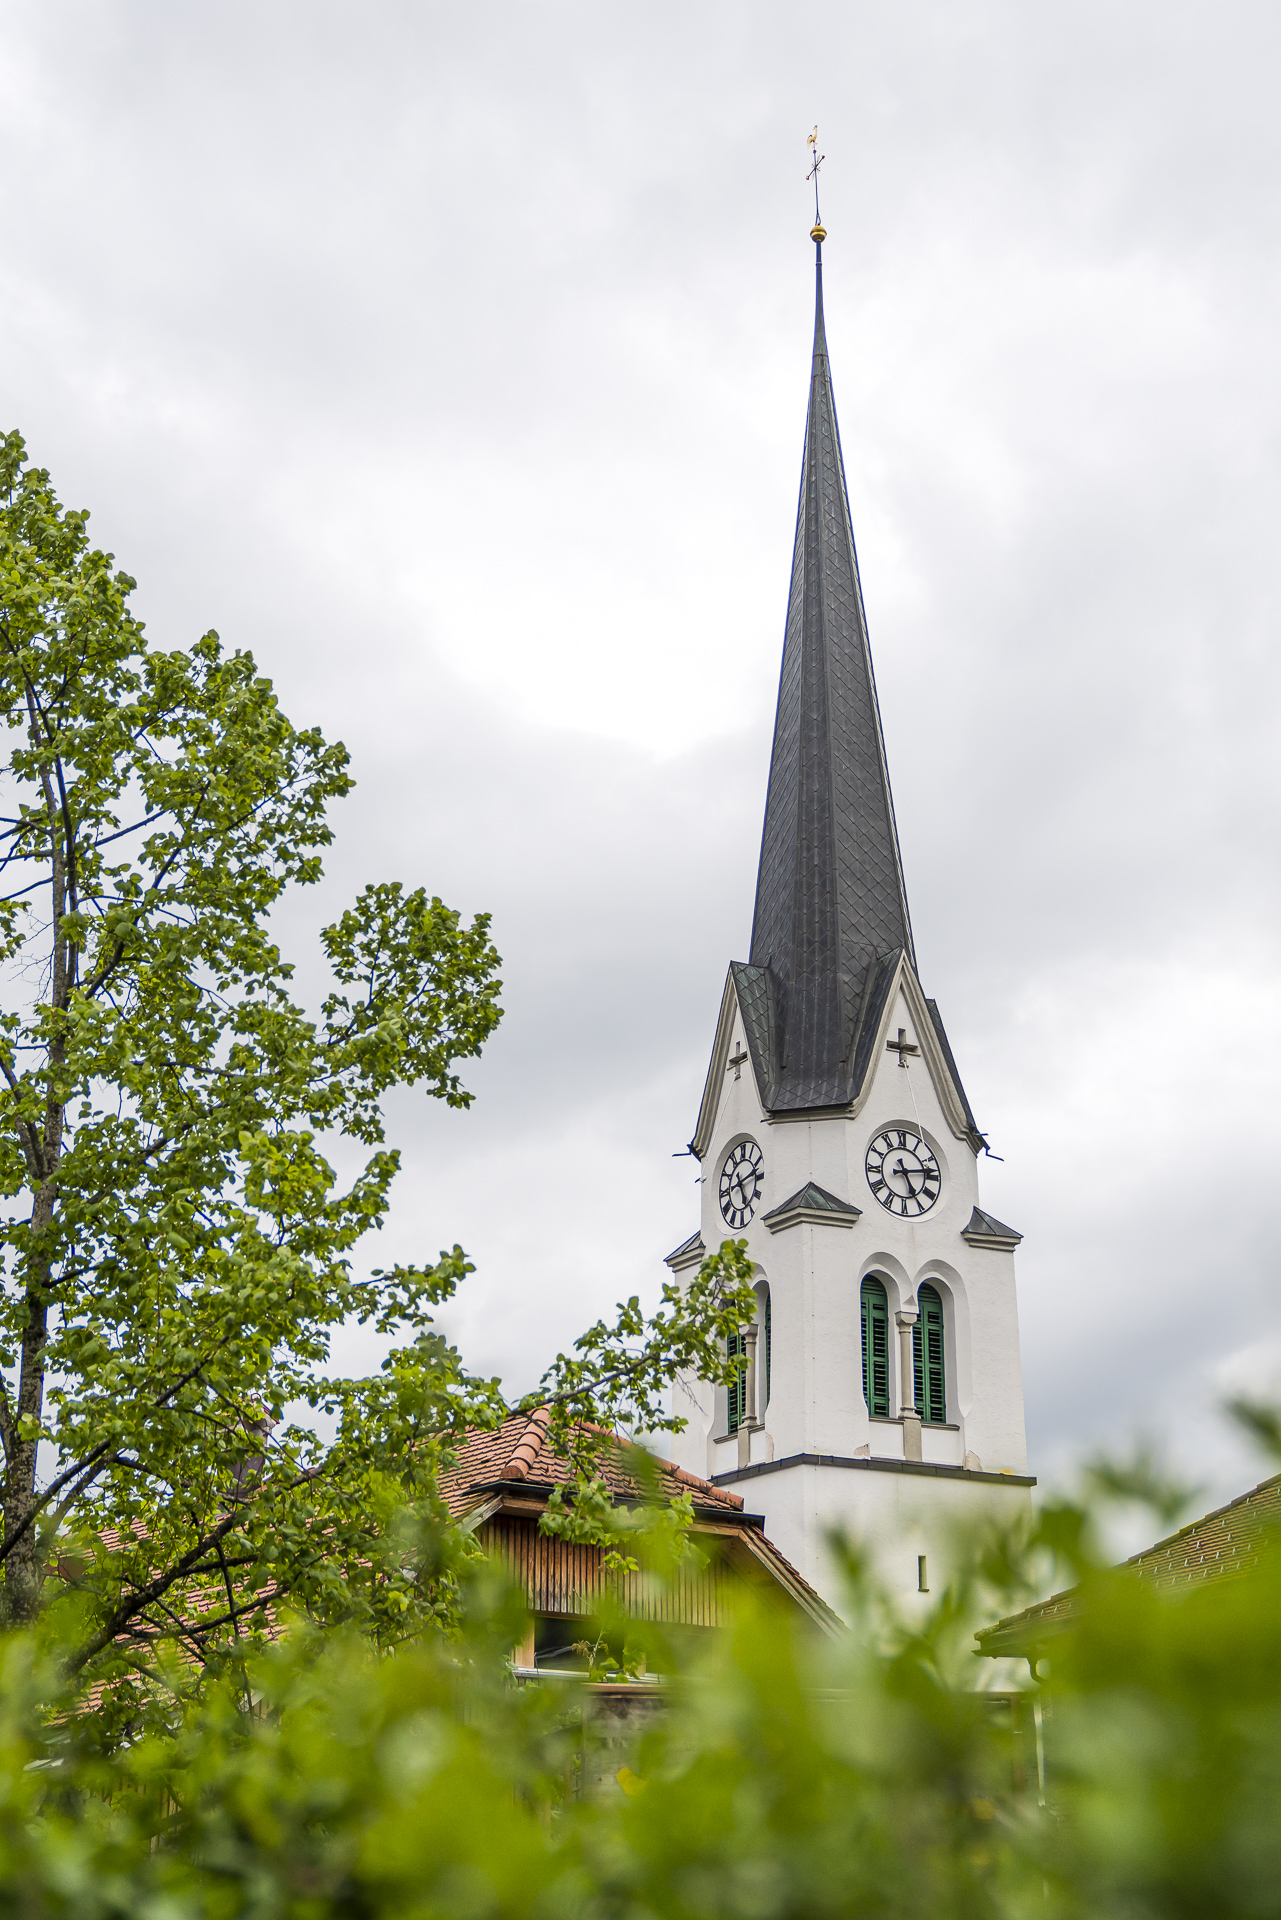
[(454, 360)]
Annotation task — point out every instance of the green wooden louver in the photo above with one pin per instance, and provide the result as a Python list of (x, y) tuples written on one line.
[(876, 1347), (764, 1398), (927, 1357), (737, 1389)]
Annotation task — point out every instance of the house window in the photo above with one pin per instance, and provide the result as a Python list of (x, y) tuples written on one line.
[(556, 1640), (876, 1347), (927, 1356)]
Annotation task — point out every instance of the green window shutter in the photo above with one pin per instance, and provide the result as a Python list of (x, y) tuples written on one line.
[(876, 1347), (737, 1389), (765, 1396), (927, 1356), (935, 1380)]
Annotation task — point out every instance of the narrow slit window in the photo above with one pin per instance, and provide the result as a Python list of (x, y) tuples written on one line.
[(927, 1357), (876, 1347)]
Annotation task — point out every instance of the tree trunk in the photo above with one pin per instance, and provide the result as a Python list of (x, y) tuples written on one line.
[(24, 1568)]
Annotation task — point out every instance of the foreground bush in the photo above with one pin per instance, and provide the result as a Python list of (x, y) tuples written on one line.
[(785, 1778)]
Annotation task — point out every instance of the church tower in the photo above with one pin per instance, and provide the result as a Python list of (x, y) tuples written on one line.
[(883, 1388)]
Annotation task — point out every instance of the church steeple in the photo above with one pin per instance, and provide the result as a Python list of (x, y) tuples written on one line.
[(885, 1337), (831, 916)]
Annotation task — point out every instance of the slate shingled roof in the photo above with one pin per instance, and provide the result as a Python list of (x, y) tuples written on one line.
[(831, 909), (1225, 1544)]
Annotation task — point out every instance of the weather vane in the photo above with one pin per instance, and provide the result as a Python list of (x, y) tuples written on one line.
[(817, 233)]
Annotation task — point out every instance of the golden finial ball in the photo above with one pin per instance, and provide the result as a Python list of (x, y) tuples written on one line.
[(817, 234)]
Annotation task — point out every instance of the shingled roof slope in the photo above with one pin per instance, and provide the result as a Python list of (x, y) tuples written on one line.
[(518, 1451), (1225, 1544), (831, 906)]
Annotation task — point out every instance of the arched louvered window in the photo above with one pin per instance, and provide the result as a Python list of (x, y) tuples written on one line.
[(876, 1347), (927, 1356), (736, 1392)]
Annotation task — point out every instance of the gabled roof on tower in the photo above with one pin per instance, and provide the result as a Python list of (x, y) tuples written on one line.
[(750, 996), (831, 913)]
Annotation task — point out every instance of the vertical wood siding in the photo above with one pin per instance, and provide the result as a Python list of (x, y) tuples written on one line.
[(567, 1579)]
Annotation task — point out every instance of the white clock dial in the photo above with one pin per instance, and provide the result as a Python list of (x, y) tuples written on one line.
[(902, 1172), (742, 1178)]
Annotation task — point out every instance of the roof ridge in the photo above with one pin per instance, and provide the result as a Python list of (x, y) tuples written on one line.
[(682, 1474), (528, 1449), (1215, 1513), (1141, 1563), (524, 1456), (825, 1193)]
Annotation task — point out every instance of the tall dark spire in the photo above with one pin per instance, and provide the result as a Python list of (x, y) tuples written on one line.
[(831, 909)]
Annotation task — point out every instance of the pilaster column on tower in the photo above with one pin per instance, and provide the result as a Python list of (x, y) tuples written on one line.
[(906, 1323), (750, 1423)]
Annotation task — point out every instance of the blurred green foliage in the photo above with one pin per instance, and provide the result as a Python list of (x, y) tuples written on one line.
[(784, 1775)]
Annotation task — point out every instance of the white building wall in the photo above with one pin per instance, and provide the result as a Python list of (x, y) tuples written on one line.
[(896, 1517)]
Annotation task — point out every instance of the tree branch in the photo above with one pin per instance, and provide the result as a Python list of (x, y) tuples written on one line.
[(95, 1454), (105, 973), (147, 1596), (137, 826), (27, 1133)]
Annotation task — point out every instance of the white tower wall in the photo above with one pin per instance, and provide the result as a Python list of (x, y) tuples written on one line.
[(818, 1459)]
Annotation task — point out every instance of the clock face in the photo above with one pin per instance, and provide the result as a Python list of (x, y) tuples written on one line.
[(902, 1172), (742, 1178)]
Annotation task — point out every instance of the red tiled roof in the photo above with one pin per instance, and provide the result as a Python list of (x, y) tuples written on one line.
[(1221, 1545), (515, 1451), (518, 1451)]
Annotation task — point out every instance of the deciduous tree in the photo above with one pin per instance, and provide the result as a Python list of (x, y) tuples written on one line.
[(177, 1252)]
